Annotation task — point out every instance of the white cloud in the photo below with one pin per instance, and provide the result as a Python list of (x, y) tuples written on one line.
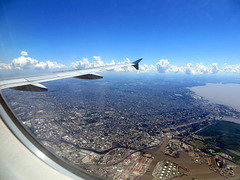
[(197, 69), (25, 62), (98, 62), (189, 69), (5, 66), (163, 66), (126, 68), (147, 68), (231, 68), (214, 68), (81, 64), (228, 68), (176, 69), (49, 65), (24, 53), (201, 69)]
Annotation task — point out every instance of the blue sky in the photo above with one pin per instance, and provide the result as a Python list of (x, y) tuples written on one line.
[(66, 31)]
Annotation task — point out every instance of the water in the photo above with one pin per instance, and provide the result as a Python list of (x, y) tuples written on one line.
[(225, 94)]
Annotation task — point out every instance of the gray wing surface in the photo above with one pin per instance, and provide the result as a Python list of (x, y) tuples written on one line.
[(32, 83)]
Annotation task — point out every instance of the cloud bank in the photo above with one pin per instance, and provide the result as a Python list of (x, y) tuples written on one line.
[(24, 62), (162, 66)]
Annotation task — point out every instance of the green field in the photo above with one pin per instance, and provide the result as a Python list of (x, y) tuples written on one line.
[(223, 134)]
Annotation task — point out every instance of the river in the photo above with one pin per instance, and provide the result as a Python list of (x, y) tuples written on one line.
[(225, 94)]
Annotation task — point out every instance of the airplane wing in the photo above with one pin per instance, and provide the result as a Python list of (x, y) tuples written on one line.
[(32, 83)]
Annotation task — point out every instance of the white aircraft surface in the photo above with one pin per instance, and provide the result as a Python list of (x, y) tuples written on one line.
[(21, 156), (32, 83)]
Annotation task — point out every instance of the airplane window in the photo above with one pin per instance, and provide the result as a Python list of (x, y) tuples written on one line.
[(76, 93)]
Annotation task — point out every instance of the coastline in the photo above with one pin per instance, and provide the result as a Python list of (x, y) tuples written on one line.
[(225, 94), (231, 119)]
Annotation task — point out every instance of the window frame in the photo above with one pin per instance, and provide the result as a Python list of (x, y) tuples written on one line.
[(38, 149)]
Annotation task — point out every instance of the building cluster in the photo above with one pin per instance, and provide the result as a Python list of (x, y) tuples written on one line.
[(108, 125), (166, 170)]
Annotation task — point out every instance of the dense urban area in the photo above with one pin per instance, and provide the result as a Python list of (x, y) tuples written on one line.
[(128, 128)]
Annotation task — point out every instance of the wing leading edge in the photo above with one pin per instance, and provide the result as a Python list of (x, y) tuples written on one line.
[(32, 83)]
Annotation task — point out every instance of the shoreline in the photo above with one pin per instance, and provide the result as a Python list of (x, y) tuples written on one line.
[(231, 119)]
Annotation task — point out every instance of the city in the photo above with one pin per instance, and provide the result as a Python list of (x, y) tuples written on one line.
[(109, 127)]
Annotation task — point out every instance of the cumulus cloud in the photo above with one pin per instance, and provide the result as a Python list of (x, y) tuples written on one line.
[(189, 69), (202, 69), (163, 66), (5, 66), (25, 62), (126, 68), (176, 69), (214, 68), (231, 68), (147, 68), (85, 63), (24, 53), (81, 64), (49, 65), (98, 62)]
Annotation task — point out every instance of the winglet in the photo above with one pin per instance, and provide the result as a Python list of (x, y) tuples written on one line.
[(136, 63)]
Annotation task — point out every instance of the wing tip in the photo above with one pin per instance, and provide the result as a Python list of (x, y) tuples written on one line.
[(136, 63)]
